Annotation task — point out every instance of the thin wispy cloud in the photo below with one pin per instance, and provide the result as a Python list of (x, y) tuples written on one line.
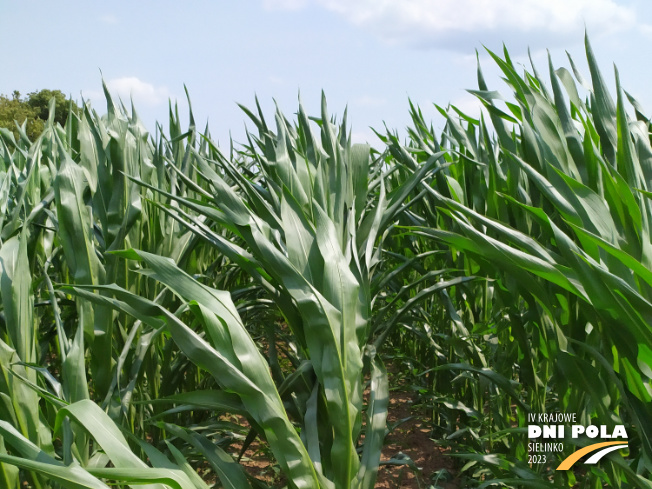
[(369, 101), (276, 80), (458, 24), (284, 4), (109, 19)]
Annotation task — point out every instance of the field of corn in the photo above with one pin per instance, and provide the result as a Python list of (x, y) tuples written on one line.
[(166, 304)]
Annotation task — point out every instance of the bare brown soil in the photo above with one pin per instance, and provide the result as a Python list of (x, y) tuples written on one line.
[(411, 438)]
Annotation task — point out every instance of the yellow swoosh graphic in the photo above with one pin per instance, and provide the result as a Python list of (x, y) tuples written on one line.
[(574, 457)]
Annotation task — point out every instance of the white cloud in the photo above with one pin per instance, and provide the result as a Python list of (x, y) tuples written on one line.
[(142, 92), (145, 95), (458, 24)]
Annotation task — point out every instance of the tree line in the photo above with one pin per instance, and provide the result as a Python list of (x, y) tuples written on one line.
[(32, 111)]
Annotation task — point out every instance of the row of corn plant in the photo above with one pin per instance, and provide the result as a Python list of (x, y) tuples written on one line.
[(546, 195), (67, 203)]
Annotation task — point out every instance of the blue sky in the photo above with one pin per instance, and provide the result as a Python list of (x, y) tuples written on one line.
[(369, 55)]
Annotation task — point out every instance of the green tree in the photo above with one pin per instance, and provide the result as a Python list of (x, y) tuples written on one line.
[(40, 102), (34, 108)]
